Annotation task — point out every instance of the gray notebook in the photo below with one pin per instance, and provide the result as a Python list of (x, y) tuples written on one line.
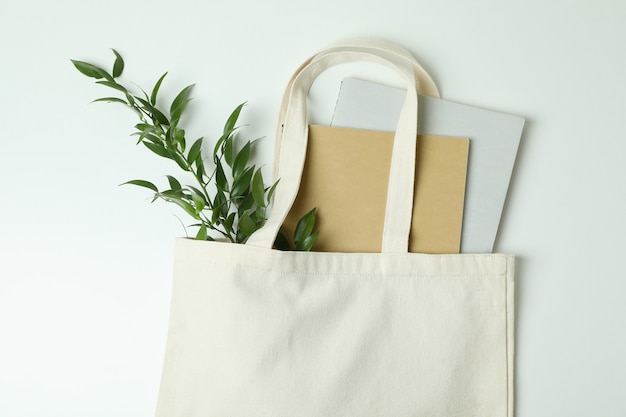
[(494, 139)]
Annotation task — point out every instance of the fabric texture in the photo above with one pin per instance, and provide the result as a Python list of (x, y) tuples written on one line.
[(259, 332)]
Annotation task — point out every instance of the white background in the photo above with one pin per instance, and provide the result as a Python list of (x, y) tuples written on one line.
[(86, 266)]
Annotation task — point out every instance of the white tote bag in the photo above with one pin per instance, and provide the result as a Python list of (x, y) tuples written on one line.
[(256, 332)]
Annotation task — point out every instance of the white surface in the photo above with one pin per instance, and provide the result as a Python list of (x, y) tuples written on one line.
[(86, 266)]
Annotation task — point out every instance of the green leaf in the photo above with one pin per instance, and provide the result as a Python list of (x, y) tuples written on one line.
[(131, 101), (194, 190), (244, 204), (270, 193), (200, 166), (281, 242), (155, 90), (175, 139), (241, 237), (229, 126), (198, 200), (114, 85), (174, 193), (218, 146), (307, 244), (110, 100), (229, 155), (159, 116), (181, 203), (304, 228), (228, 223), (220, 200), (220, 206), (149, 131), (143, 127), (259, 213), (118, 65), (220, 178), (194, 151), (180, 160), (152, 138), (242, 184), (187, 207), (241, 160), (180, 103), (142, 183), (246, 225), (202, 234), (155, 113), (91, 70), (169, 137), (258, 188), (179, 139), (158, 149), (174, 183)]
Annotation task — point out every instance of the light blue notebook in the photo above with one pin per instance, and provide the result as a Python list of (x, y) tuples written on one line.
[(494, 139)]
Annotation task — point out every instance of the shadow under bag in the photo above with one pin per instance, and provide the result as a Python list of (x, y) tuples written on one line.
[(256, 332)]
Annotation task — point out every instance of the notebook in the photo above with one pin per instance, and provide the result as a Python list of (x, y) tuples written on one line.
[(346, 176), (494, 140)]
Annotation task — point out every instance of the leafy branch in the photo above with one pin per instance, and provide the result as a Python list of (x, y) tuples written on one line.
[(229, 200)]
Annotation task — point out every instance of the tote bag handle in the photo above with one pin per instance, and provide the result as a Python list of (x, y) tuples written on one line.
[(425, 84), (294, 137), (407, 62)]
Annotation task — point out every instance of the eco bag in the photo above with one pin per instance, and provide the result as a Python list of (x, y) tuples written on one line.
[(257, 332)]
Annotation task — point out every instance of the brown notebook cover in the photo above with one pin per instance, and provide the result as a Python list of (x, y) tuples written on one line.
[(346, 175)]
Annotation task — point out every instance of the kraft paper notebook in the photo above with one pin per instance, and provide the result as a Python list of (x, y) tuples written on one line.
[(494, 140), (346, 175)]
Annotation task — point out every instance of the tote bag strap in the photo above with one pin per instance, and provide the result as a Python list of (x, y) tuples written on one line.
[(294, 137), (426, 85), (403, 58)]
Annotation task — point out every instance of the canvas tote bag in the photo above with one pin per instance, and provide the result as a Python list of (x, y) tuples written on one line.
[(257, 332)]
